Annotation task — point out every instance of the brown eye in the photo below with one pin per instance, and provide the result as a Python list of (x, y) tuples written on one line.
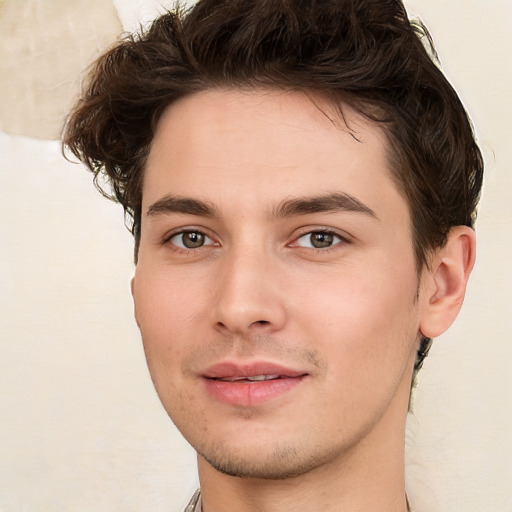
[(319, 240), (191, 240)]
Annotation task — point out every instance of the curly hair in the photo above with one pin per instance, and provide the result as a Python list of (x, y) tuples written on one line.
[(362, 53)]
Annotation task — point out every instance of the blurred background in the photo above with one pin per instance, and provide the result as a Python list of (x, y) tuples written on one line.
[(81, 427)]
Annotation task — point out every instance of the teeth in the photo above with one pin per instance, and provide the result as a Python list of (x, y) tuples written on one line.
[(255, 378), (262, 377)]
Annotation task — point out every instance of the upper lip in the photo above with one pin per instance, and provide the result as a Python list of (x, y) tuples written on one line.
[(229, 369)]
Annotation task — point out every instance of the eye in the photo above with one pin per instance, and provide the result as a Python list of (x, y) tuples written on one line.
[(319, 240), (190, 240)]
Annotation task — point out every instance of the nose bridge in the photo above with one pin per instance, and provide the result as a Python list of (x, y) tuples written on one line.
[(248, 291)]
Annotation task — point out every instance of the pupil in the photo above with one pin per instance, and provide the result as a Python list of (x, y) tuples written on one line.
[(193, 239), (321, 240)]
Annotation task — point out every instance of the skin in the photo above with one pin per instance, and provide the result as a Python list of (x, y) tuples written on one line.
[(252, 286)]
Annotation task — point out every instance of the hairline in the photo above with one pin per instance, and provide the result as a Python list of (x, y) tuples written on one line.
[(336, 100)]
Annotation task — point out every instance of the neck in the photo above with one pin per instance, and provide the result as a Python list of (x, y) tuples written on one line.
[(369, 477)]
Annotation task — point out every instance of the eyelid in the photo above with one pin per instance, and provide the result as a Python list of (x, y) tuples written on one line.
[(206, 240), (166, 239), (344, 238)]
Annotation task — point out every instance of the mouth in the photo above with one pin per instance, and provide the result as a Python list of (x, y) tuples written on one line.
[(254, 378), (250, 385), (253, 371)]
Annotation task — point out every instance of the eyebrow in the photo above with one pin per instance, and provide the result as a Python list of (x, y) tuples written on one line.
[(185, 205), (326, 203)]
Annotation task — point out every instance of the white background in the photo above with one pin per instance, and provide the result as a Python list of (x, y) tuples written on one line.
[(81, 427)]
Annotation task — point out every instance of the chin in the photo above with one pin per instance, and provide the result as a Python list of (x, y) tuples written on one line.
[(281, 464)]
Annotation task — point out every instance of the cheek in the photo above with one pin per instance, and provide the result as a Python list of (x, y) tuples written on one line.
[(365, 332), (166, 307), (166, 298), (362, 296), (363, 318)]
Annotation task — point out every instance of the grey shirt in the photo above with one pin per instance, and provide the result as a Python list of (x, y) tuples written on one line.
[(195, 503)]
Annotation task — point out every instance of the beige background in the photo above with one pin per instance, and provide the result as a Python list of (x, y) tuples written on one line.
[(81, 428)]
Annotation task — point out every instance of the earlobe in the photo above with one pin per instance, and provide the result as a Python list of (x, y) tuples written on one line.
[(448, 277)]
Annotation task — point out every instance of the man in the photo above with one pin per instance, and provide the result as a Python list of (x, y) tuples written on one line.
[(302, 183)]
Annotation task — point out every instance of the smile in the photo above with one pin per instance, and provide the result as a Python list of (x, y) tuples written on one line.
[(250, 385), (255, 378)]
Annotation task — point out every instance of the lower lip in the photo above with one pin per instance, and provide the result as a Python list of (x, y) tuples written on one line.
[(251, 394)]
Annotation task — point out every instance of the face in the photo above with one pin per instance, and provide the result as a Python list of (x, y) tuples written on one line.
[(276, 287)]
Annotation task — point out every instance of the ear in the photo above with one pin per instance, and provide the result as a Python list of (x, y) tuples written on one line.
[(132, 288), (446, 281)]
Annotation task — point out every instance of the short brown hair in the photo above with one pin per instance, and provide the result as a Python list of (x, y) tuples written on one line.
[(364, 53)]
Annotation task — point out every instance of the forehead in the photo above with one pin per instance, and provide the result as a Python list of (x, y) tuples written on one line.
[(266, 145)]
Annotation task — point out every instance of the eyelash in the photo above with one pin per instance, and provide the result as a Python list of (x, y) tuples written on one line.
[(343, 240), (186, 250)]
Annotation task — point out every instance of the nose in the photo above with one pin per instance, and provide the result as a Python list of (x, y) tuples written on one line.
[(249, 297)]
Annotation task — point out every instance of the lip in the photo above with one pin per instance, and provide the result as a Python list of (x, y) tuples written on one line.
[(226, 382)]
